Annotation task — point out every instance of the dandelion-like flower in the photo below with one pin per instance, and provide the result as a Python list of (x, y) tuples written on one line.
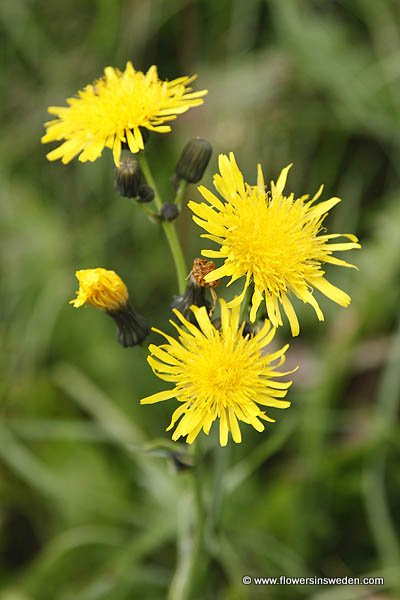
[(106, 291), (275, 241), (218, 374), (113, 109)]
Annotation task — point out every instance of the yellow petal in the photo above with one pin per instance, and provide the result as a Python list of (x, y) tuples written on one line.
[(280, 184), (309, 298), (331, 291), (291, 315), (176, 415), (223, 429), (343, 246), (255, 304), (158, 397), (323, 207), (260, 179), (204, 321), (274, 403), (210, 197), (234, 426)]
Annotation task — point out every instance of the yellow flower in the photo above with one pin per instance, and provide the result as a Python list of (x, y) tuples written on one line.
[(272, 240), (105, 290), (100, 288), (218, 374), (113, 109)]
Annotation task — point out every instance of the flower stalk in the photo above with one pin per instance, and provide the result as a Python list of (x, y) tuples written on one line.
[(180, 192), (168, 226)]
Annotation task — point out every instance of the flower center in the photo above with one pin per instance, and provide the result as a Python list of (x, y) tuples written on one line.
[(275, 241), (222, 372)]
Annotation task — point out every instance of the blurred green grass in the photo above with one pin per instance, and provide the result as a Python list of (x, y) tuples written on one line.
[(84, 511)]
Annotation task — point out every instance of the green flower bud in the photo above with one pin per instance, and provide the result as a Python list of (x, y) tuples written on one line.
[(127, 176), (146, 193), (193, 160), (169, 211)]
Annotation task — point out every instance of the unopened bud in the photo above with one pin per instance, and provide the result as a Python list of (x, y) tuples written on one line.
[(146, 194), (127, 176), (182, 461), (193, 295), (193, 160), (169, 211)]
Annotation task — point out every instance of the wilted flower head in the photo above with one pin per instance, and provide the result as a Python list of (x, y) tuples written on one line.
[(218, 374), (105, 290), (276, 241), (112, 111)]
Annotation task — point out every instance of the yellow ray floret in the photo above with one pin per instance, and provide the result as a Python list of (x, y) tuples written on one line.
[(275, 241), (113, 109), (100, 288), (218, 374)]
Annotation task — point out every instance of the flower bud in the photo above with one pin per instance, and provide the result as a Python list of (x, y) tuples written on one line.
[(146, 194), (193, 160), (127, 176), (169, 211), (182, 461), (193, 295)]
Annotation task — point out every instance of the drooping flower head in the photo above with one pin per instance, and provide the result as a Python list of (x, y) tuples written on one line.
[(218, 374), (105, 290), (275, 241), (113, 109), (100, 288)]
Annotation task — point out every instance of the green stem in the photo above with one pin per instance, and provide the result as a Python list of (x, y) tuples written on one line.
[(169, 227), (205, 532), (153, 216), (197, 562), (379, 516), (191, 562), (220, 461), (180, 192)]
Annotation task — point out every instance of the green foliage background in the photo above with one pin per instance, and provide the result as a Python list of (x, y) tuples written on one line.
[(85, 511)]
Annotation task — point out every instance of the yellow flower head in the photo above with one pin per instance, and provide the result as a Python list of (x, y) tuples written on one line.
[(101, 288), (218, 374), (113, 109), (272, 240)]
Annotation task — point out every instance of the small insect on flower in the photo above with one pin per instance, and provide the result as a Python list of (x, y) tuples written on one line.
[(218, 374), (200, 269), (106, 291), (117, 109), (275, 241)]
